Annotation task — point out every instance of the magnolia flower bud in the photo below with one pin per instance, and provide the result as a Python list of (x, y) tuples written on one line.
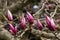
[(30, 18), (12, 29), (23, 22), (9, 15), (50, 23), (53, 24), (39, 25), (48, 20)]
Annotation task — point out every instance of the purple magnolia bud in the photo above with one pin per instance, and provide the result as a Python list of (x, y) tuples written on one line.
[(9, 15), (50, 23), (53, 25), (12, 29), (39, 25), (30, 18), (47, 20), (23, 22)]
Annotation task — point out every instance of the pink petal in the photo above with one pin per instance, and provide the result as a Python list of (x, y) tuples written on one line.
[(9, 15), (23, 22), (39, 24), (50, 23), (12, 28), (30, 18), (53, 25)]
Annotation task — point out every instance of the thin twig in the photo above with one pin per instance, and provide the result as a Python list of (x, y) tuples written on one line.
[(39, 33), (23, 33), (40, 10), (54, 11)]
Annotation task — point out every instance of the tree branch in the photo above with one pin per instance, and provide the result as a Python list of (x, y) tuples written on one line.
[(39, 33), (5, 35)]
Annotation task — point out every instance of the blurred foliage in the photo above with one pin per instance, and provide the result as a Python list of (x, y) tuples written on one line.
[(34, 1)]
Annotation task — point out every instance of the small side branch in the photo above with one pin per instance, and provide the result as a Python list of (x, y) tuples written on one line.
[(39, 33)]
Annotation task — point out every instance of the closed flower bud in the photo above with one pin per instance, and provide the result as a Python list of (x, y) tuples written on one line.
[(12, 29), (39, 25), (30, 18), (9, 15), (50, 23), (23, 22), (48, 20), (53, 25)]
